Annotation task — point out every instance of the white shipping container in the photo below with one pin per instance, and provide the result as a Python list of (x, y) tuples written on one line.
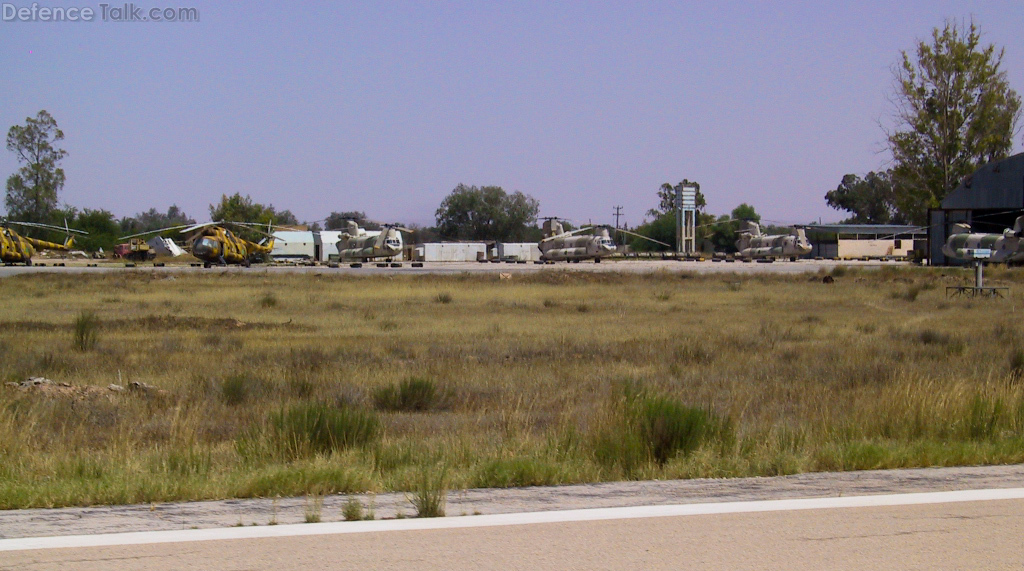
[(525, 251), (450, 251), (294, 245)]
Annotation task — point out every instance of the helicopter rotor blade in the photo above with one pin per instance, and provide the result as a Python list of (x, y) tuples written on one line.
[(47, 226), (569, 233), (159, 230), (642, 236)]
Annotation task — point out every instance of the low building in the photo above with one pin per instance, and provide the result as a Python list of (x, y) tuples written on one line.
[(522, 251), (293, 245), (989, 200), (326, 245), (450, 252), (858, 241)]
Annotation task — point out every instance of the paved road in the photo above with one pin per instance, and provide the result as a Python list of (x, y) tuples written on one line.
[(961, 535), (260, 512), (629, 266)]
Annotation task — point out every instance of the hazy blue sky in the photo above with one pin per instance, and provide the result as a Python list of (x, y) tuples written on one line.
[(385, 107)]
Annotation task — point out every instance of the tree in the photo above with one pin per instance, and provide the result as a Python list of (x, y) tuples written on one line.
[(667, 198), (955, 111), (339, 220), (237, 208), (153, 219), (102, 227), (487, 213), (32, 191), (871, 199), (662, 228)]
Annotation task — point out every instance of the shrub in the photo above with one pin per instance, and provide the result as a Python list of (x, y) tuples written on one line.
[(669, 427), (443, 297), (268, 300), (430, 494), (1017, 364), (85, 329), (235, 389), (315, 428), (352, 510), (412, 394)]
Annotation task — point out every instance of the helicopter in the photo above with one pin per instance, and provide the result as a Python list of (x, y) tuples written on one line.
[(963, 244), (558, 245), (357, 244), (752, 244), (15, 248), (216, 245)]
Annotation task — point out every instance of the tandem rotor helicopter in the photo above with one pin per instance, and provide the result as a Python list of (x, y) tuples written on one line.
[(1006, 246), (358, 244), (753, 245), (18, 249), (214, 244), (559, 245)]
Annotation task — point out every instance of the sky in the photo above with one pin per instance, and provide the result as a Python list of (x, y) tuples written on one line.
[(385, 107)]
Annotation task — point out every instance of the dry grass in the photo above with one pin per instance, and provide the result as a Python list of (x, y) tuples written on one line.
[(762, 374)]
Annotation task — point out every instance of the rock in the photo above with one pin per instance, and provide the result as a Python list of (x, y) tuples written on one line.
[(115, 387), (828, 280)]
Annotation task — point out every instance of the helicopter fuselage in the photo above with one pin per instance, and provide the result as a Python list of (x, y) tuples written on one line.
[(220, 246), (576, 248), (358, 244), (18, 249)]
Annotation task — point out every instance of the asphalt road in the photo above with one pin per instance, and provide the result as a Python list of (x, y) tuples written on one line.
[(628, 266), (960, 535)]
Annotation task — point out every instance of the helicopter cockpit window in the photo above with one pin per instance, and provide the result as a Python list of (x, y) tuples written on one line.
[(393, 242), (208, 243)]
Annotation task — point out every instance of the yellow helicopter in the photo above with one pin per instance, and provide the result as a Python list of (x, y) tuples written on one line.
[(216, 245), (17, 249)]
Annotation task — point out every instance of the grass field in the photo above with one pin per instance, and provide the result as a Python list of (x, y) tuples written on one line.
[(271, 385)]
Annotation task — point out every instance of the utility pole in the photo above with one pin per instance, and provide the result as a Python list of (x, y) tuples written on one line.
[(618, 212)]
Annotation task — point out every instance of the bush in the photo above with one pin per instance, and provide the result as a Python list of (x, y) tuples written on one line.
[(268, 300), (307, 429), (413, 394), (430, 494), (85, 329), (352, 510), (669, 427), (1017, 364), (235, 389), (443, 297)]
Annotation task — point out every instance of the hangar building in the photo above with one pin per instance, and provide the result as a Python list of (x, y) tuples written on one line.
[(989, 200)]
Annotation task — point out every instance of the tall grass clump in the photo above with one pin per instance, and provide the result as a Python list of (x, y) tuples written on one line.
[(414, 394), (444, 298), (86, 327), (430, 493), (645, 428), (1017, 364), (308, 429), (268, 300), (236, 389), (669, 427)]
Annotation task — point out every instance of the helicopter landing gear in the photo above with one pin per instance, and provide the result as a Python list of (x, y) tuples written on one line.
[(246, 262), (207, 265), (355, 265), (28, 262), (597, 260)]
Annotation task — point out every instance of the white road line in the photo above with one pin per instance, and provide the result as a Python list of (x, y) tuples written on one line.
[(150, 537)]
